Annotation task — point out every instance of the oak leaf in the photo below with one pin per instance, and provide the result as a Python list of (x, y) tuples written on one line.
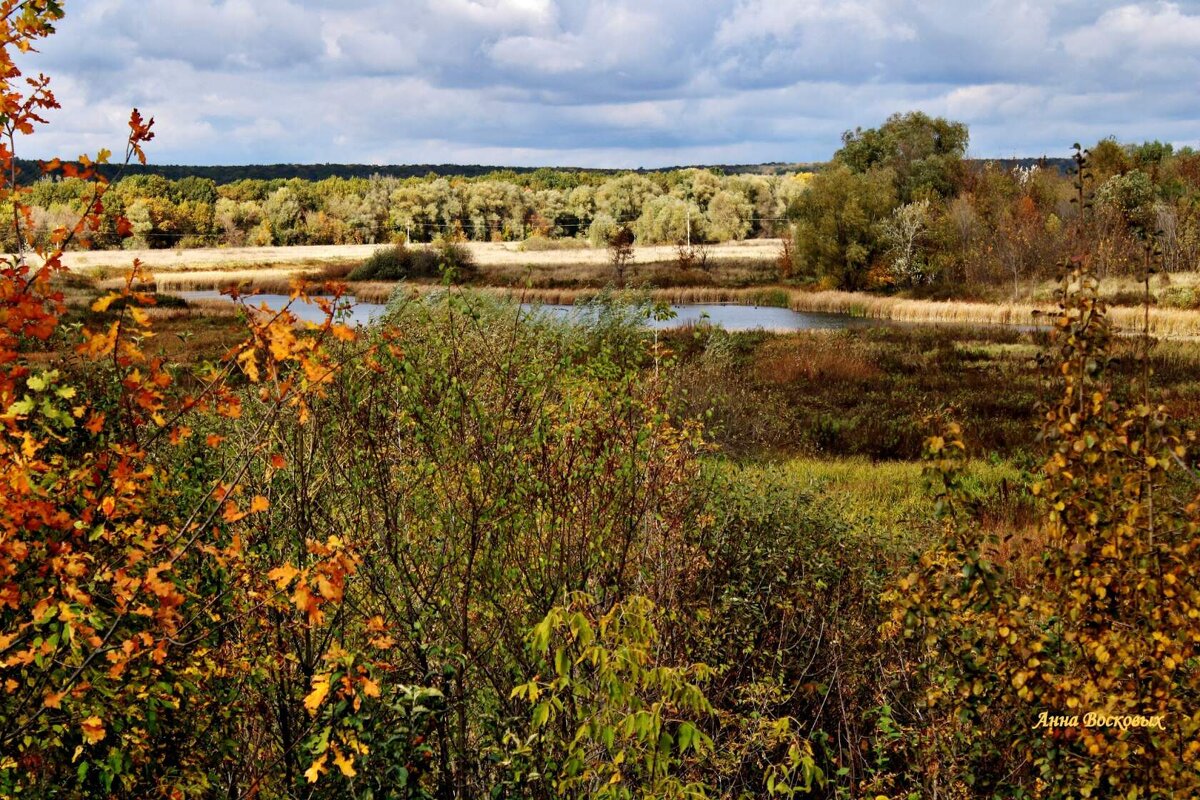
[(317, 696)]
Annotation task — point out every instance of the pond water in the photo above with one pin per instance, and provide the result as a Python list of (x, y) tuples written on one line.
[(741, 318), (730, 317), (358, 313)]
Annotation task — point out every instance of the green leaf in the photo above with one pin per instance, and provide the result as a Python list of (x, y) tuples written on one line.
[(21, 407)]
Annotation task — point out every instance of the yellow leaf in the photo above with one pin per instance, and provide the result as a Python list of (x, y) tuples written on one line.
[(259, 503), (312, 773), (346, 765), (93, 729), (283, 575), (318, 694), (370, 687), (103, 303)]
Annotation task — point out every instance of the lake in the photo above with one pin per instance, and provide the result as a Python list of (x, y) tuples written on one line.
[(731, 317)]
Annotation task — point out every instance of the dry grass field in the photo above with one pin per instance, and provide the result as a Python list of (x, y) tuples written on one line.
[(486, 254)]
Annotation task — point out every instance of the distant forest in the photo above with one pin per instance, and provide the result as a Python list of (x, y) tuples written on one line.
[(30, 170)]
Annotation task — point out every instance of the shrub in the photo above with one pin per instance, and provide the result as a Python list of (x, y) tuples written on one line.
[(1014, 669), (398, 262), (537, 244), (456, 257)]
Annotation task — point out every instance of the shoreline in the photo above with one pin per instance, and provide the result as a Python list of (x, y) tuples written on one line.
[(1163, 323)]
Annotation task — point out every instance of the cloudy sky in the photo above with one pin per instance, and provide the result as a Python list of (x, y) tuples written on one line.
[(610, 83)]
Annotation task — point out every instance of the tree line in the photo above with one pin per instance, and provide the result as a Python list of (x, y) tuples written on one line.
[(28, 170), (900, 206), (197, 212), (897, 206)]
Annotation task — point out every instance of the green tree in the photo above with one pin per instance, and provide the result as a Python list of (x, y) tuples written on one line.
[(837, 224), (665, 219), (624, 198), (924, 152), (729, 216)]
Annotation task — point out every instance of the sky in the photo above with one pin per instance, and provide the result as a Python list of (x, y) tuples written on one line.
[(609, 83)]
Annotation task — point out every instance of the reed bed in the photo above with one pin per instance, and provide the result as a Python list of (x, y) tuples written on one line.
[(1163, 322), (267, 280)]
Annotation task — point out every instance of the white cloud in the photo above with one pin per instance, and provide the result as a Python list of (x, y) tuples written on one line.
[(1139, 42), (610, 82)]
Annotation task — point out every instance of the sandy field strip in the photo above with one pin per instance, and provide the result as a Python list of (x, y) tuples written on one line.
[(486, 254)]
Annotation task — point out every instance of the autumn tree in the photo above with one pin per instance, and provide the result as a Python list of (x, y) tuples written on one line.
[(1083, 681)]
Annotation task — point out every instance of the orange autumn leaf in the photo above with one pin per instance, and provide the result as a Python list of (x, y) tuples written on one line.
[(307, 602), (95, 422), (330, 590), (259, 504), (232, 513), (93, 729), (282, 575)]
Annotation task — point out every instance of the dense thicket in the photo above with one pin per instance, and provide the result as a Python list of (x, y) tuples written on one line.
[(900, 207)]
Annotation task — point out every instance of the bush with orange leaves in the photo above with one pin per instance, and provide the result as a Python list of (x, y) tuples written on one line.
[(126, 557)]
